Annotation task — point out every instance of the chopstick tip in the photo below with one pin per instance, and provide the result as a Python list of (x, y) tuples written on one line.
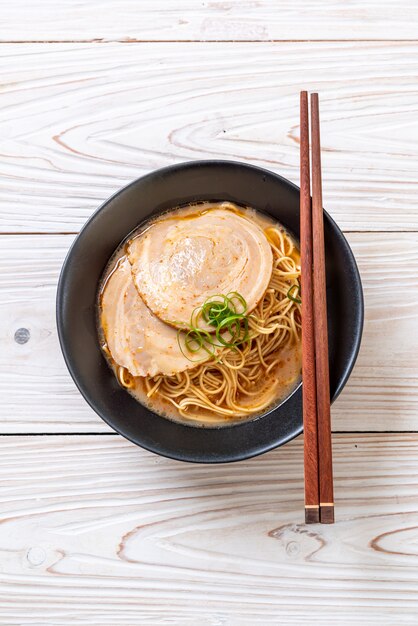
[(326, 512), (312, 514)]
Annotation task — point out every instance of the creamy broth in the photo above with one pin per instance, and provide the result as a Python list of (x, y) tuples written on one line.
[(278, 382), (284, 379)]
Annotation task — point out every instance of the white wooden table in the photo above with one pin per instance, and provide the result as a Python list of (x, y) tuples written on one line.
[(95, 531)]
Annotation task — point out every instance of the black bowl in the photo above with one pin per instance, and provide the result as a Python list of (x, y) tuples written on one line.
[(88, 256)]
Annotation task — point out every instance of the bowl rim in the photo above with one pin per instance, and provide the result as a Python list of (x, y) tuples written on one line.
[(60, 294)]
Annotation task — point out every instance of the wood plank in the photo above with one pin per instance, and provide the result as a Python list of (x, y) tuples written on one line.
[(95, 531), (80, 121), (185, 20), (37, 394), (382, 393)]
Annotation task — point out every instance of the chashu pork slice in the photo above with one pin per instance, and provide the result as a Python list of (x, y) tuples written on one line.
[(136, 338), (178, 263)]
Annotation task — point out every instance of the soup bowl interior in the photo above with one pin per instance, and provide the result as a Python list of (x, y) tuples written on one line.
[(77, 311)]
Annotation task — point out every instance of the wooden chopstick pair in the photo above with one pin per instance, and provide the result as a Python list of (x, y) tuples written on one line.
[(319, 492)]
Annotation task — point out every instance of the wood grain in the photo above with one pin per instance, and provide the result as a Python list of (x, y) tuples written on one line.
[(38, 395), (326, 496), (225, 19), (311, 460), (97, 531), (383, 388), (80, 121), (35, 386)]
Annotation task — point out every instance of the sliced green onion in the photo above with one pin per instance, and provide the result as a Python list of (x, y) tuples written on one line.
[(226, 314), (237, 296), (194, 341), (292, 296)]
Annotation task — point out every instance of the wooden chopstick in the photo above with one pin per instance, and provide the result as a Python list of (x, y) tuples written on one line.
[(308, 347), (326, 491)]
